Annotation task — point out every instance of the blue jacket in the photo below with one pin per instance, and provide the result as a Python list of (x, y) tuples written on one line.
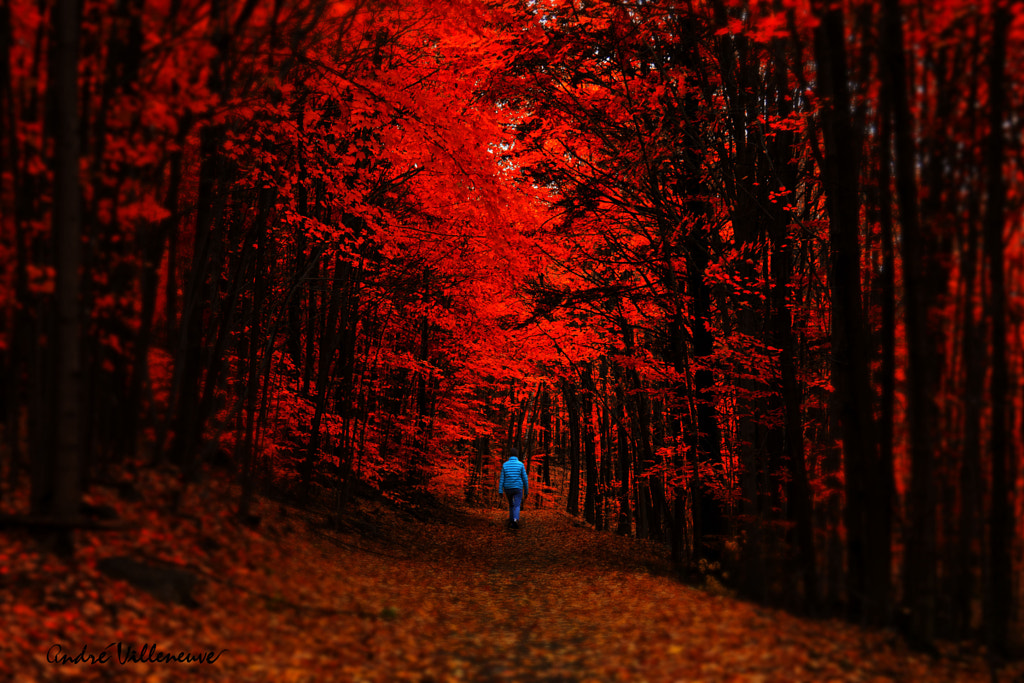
[(513, 476)]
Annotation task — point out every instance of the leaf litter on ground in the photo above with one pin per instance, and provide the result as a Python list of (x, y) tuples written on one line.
[(393, 598)]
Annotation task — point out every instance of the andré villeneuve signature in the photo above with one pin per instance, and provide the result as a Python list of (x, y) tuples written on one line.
[(126, 654)]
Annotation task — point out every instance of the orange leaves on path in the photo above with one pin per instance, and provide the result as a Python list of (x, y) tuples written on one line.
[(456, 599)]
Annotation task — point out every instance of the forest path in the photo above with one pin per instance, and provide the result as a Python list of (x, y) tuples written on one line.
[(548, 602), (392, 598), (558, 602)]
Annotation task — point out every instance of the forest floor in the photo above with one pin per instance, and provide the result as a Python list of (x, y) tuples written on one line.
[(455, 597)]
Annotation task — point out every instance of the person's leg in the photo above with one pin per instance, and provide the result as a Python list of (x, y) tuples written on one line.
[(512, 512), (517, 502)]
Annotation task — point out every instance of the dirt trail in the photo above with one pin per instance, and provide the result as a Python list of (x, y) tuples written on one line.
[(535, 604), (457, 598), (556, 602)]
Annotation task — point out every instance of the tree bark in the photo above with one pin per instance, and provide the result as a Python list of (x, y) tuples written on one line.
[(1000, 598), (573, 409), (57, 481), (850, 366), (589, 450), (920, 568), (327, 348)]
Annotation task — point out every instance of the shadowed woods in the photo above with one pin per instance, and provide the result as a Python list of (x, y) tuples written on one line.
[(740, 281)]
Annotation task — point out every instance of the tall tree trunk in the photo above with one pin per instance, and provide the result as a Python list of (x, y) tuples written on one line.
[(16, 367), (201, 286), (188, 365), (1000, 598), (709, 519), (624, 525), (850, 365), (971, 534), (799, 493), (246, 461), (589, 450), (885, 477), (154, 243), (605, 484), (919, 576), (533, 408), (545, 425), (346, 398), (422, 378), (640, 411), (573, 409), (327, 349), (56, 485)]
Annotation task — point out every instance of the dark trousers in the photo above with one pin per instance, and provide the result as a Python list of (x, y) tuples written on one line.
[(515, 501)]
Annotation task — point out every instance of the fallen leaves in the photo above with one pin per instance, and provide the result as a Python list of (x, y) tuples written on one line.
[(460, 599)]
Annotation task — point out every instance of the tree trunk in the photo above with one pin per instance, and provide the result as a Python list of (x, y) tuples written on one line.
[(545, 424), (572, 407), (154, 242), (327, 347), (57, 480), (798, 496), (850, 365), (920, 579), (624, 525), (589, 450), (246, 461), (1000, 598)]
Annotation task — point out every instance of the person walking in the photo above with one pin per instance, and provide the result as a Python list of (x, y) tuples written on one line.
[(515, 485)]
